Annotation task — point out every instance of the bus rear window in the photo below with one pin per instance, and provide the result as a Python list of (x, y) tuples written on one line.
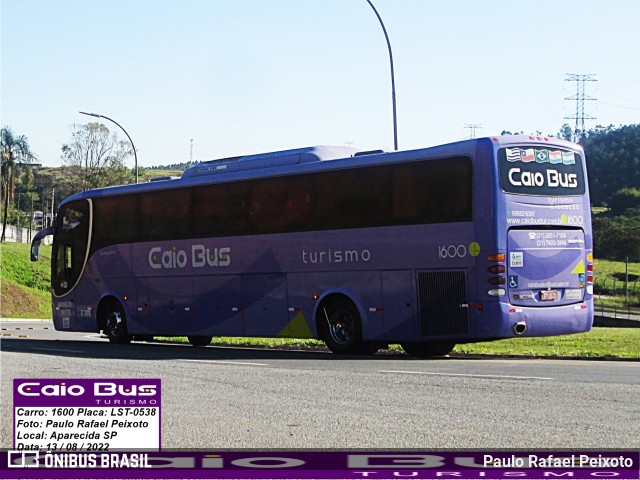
[(541, 171)]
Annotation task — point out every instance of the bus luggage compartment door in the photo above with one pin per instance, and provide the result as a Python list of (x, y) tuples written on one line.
[(546, 267)]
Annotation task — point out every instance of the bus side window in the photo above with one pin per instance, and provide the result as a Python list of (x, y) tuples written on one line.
[(405, 196), (164, 214), (64, 263), (220, 210), (268, 203), (68, 258), (299, 208)]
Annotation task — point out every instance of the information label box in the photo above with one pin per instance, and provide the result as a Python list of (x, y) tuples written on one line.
[(87, 414)]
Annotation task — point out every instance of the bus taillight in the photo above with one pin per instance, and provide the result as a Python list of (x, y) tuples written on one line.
[(498, 280), (497, 258)]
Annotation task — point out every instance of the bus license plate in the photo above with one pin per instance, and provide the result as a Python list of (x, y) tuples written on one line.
[(549, 295)]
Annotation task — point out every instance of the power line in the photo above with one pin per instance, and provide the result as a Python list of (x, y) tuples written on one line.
[(580, 97)]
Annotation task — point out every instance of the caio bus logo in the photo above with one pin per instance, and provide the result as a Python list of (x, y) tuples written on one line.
[(100, 389)]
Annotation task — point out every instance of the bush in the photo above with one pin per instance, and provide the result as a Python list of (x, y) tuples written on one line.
[(616, 238)]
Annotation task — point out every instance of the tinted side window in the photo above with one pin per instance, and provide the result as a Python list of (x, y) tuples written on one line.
[(434, 191), (164, 214), (352, 198), (219, 210), (441, 190), (115, 219)]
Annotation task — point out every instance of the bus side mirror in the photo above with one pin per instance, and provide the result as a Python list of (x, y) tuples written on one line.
[(35, 251), (37, 239)]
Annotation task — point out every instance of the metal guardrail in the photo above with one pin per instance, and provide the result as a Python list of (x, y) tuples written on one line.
[(632, 313), (614, 316), (629, 313), (619, 287)]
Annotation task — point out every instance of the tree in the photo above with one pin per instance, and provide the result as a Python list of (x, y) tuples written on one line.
[(616, 238), (565, 132), (95, 158), (14, 148), (613, 160), (625, 201)]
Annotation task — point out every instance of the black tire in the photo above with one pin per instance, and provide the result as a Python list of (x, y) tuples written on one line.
[(341, 329), (428, 349), (199, 340), (116, 324)]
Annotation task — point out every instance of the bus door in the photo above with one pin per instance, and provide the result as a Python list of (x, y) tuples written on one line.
[(69, 256), (546, 267)]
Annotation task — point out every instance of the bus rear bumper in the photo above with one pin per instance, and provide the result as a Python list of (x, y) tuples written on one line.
[(539, 322)]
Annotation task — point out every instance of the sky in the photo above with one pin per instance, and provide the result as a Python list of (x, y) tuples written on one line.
[(206, 79)]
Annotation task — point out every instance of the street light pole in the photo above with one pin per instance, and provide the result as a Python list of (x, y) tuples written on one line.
[(393, 82), (135, 155)]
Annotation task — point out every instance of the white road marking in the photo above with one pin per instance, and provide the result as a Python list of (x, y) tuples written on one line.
[(470, 375), (228, 363)]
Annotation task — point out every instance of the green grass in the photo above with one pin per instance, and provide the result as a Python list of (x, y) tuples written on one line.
[(19, 269), (598, 343), (150, 174), (25, 285), (610, 275)]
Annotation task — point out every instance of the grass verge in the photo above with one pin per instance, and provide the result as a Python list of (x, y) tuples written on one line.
[(25, 286), (601, 342)]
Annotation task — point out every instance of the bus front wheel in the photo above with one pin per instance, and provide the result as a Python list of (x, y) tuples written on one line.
[(341, 329), (116, 324), (199, 341), (427, 349)]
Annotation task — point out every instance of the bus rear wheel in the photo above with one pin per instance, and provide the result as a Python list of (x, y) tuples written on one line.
[(427, 349), (341, 329), (116, 324), (199, 340)]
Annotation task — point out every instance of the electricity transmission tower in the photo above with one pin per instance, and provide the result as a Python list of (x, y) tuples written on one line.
[(472, 128), (580, 97)]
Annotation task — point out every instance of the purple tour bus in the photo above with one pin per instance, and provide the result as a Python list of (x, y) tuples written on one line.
[(481, 239)]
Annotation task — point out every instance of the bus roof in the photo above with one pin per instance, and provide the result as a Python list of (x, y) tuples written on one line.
[(270, 160)]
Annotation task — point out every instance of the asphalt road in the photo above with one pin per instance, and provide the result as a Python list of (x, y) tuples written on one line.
[(235, 398)]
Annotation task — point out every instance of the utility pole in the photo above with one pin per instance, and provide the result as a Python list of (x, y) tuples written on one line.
[(472, 128), (393, 80), (53, 200), (580, 98)]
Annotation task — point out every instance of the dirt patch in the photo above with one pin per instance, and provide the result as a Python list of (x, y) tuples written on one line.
[(16, 302)]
